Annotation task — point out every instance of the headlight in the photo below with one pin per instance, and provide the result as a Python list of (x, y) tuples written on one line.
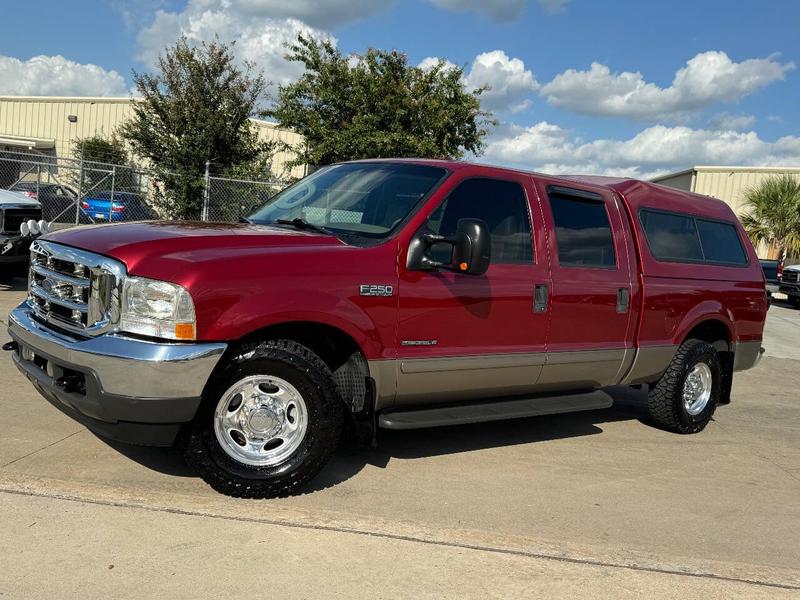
[(157, 309)]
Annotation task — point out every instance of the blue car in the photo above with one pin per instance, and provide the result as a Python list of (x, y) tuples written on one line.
[(126, 206)]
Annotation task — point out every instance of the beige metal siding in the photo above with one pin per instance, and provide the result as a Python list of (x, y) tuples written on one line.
[(732, 185), (46, 118)]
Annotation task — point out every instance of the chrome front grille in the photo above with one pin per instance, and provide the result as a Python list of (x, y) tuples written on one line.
[(74, 289), (790, 276)]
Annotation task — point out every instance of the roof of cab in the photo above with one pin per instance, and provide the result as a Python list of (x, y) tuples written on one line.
[(635, 192)]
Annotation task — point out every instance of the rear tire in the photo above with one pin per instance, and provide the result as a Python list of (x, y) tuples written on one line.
[(794, 301), (245, 410), (685, 397)]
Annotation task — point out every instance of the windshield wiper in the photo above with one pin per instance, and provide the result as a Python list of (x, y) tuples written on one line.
[(302, 225)]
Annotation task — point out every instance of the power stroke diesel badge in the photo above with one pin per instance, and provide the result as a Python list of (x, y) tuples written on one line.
[(376, 290)]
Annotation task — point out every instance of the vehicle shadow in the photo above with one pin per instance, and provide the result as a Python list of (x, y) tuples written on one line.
[(351, 458)]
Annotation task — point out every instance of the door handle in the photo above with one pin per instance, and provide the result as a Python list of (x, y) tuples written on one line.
[(623, 300), (540, 296)]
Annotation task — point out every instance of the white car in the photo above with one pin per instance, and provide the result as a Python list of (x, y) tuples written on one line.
[(15, 209)]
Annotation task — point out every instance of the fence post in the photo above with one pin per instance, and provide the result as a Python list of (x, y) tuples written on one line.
[(80, 191), (111, 199), (206, 192)]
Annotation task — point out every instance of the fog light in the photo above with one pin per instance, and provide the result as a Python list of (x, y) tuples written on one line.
[(27, 354)]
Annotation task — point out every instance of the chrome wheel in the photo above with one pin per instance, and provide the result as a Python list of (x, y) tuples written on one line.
[(261, 420), (697, 389)]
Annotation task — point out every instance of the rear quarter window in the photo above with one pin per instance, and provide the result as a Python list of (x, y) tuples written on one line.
[(674, 237)]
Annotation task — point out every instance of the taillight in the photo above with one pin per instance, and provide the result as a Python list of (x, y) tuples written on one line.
[(117, 208), (30, 194), (84, 205), (779, 271)]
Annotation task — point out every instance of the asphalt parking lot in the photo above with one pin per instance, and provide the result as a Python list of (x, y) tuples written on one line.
[(596, 504)]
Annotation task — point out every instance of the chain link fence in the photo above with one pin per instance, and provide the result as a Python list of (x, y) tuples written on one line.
[(74, 192)]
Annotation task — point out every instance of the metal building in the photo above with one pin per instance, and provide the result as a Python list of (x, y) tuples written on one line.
[(50, 125), (729, 184)]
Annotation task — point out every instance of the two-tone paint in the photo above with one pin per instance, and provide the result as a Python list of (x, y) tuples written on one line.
[(441, 336)]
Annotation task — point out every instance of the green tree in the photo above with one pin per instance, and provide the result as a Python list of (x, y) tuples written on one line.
[(100, 155), (197, 108), (773, 214), (377, 105)]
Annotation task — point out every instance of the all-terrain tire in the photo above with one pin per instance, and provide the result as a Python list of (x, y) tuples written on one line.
[(665, 399), (312, 378)]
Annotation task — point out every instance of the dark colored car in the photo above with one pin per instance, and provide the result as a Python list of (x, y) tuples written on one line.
[(125, 206), (58, 201), (770, 268)]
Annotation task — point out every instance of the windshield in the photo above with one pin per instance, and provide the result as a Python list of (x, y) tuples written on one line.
[(365, 199)]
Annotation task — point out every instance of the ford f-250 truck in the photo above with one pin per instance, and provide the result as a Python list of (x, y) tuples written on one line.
[(396, 294)]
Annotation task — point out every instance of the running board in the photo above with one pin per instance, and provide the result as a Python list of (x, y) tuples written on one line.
[(493, 411)]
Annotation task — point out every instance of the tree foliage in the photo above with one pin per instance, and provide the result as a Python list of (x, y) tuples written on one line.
[(773, 214), (196, 108), (377, 105), (99, 156)]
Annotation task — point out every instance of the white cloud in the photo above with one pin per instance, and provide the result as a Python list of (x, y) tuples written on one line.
[(508, 80), (500, 10), (708, 78), (260, 40), (320, 13), (728, 122), (57, 76), (659, 149), (553, 6), (430, 62)]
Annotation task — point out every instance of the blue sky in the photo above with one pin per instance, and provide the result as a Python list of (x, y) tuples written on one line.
[(634, 88)]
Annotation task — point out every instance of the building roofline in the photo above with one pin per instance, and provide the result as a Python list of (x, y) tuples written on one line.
[(116, 99), (727, 169)]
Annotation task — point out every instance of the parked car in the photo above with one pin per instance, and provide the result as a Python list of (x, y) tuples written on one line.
[(58, 201), (390, 294), (126, 206), (790, 284), (771, 269), (15, 209)]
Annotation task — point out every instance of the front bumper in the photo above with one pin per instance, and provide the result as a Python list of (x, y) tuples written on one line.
[(790, 289), (122, 388)]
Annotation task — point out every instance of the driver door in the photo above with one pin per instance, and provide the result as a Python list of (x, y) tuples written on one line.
[(464, 336)]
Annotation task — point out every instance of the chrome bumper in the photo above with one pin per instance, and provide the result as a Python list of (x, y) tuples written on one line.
[(124, 379)]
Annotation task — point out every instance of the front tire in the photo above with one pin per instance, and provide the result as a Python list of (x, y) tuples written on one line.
[(270, 421), (686, 396)]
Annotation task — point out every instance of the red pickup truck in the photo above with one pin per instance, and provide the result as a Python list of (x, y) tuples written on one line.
[(396, 294)]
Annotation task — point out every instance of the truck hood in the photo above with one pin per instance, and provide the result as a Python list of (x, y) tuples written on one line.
[(176, 245)]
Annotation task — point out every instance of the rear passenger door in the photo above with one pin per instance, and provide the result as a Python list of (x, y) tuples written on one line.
[(590, 336)]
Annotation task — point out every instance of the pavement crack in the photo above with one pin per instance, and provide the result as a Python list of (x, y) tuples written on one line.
[(8, 464), (410, 538)]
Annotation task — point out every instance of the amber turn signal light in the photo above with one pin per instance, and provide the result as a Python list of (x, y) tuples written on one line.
[(184, 331), (463, 266)]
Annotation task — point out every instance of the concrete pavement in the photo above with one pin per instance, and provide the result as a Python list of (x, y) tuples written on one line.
[(596, 504)]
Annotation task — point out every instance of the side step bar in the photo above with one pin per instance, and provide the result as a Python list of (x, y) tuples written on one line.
[(493, 411)]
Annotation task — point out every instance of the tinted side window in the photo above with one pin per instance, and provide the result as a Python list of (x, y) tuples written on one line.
[(583, 232), (501, 205), (671, 236), (721, 243)]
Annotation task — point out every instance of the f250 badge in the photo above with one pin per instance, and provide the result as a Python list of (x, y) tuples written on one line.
[(376, 290)]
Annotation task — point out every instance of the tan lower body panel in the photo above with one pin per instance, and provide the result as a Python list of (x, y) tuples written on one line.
[(649, 363), (746, 355)]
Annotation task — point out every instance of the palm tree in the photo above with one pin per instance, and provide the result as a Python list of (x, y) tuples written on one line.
[(773, 214)]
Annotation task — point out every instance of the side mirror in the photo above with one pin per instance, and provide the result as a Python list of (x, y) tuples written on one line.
[(471, 249)]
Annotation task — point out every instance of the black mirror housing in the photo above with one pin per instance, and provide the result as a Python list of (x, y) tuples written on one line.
[(471, 249)]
